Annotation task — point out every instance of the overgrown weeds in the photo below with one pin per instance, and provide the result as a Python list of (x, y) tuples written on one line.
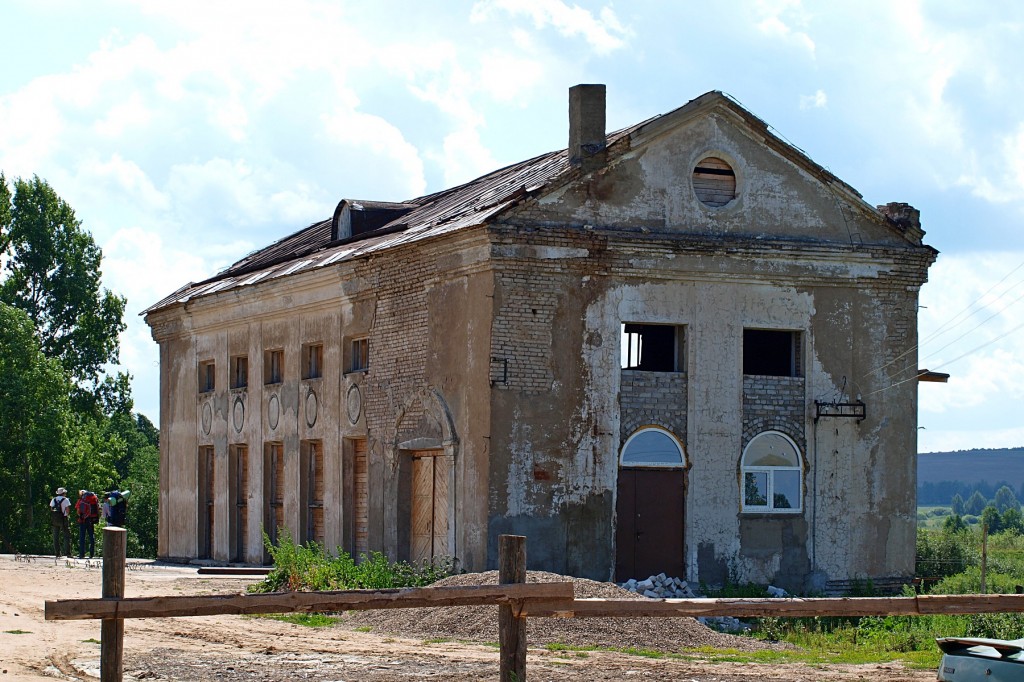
[(308, 568)]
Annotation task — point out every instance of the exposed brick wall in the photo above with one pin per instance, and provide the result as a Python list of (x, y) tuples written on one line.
[(774, 404), (652, 398)]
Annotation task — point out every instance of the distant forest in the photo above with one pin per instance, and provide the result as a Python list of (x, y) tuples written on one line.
[(942, 475)]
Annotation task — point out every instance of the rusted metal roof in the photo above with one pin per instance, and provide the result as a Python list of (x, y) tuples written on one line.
[(461, 207)]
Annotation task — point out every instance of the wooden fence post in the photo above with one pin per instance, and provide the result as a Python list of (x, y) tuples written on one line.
[(511, 625), (112, 629)]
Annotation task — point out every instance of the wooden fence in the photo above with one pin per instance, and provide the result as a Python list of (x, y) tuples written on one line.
[(516, 600)]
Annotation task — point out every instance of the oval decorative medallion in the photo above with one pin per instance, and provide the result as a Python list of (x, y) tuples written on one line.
[(354, 404), (238, 414), (207, 418), (273, 411), (311, 408)]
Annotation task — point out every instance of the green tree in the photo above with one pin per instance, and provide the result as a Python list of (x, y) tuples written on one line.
[(52, 272), (991, 519), (957, 505), (954, 524), (975, 504), (35, 428), (1005, 499), (1012, 521)]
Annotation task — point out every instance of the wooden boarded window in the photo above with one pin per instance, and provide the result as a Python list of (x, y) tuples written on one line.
[(273, 490), (273, 367), (312, 361), (239, 371), (240, 483), (359, 355), (207, 477), (429, 524), (207, 376), (361, 506), (313, 457), (714, 182)]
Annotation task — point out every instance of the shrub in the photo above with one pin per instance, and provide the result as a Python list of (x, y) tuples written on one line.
[(308, 568)]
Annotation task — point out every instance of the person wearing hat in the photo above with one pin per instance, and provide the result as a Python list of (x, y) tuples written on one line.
[(60, 511)]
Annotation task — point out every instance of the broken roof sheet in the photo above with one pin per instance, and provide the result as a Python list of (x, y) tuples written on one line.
[(452, 209)]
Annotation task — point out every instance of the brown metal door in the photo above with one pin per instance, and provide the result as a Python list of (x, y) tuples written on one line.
[(429, 523), (649, 534)]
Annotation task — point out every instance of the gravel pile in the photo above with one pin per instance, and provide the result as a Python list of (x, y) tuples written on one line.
[(480, 623)]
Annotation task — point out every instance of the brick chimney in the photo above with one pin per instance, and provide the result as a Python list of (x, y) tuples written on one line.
[(587, 141)]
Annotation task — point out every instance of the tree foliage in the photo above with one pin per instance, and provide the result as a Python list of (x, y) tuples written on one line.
[(35, 424), (52, 272), (63, 422)]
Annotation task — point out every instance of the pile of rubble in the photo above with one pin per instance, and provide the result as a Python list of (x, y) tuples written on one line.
[(663, 587), (660, 587)]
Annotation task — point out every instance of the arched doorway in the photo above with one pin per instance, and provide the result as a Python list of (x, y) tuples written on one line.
[(650, 506)]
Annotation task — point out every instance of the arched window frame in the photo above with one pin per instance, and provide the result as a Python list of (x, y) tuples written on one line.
[(771, 473), (654, 465)]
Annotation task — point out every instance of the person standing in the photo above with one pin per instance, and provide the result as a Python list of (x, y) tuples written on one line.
[(88, 510), (60, 512)]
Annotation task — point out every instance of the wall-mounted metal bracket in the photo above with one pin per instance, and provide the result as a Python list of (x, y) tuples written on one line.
[(857, 410)]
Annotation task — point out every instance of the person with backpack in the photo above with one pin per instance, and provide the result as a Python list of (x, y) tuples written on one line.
[(60, 511), (117, 502), (88, 510)]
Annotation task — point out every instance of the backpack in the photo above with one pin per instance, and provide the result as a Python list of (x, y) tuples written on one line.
[(118, 509), (88, 507), (57, 510)]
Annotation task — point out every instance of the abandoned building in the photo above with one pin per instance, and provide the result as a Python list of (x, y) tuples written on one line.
[(681, 347)]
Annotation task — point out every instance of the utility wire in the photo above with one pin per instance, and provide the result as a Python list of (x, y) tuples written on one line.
[(953, 322)]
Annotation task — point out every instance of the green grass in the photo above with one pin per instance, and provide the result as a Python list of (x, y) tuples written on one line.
[(17, 632), (363, 628), (91, 640), (309, 620)]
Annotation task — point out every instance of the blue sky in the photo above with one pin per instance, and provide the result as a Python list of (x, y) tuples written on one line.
[(187, 134)]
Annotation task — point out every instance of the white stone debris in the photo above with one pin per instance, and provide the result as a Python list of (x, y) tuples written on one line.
[(662, 587)]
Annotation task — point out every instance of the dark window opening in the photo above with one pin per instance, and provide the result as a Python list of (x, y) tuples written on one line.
[(771, 353), (312, 361), (359, 359), (239, 371), (273, 367), (207, 376), (652, 347)]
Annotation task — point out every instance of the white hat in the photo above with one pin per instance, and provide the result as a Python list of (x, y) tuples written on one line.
[(62, 491)]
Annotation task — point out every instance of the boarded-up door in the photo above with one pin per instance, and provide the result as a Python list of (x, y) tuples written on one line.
[(207, 470), (360, 493), (241, 495), (315, 491), (273, 490), (649, 534), (429, 524)]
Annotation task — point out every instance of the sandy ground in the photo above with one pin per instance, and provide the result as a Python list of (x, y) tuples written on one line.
[(229, 648)]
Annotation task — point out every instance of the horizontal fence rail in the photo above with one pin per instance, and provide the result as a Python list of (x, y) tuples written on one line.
[(517, 600), (304, 602), (790, 607)]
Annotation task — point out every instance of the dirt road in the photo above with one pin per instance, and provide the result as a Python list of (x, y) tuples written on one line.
[(234, 648)]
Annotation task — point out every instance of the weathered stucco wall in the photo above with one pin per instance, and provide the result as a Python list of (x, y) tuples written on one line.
[(426, 384)]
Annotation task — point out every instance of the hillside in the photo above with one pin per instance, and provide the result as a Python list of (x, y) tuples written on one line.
[(940, 475)]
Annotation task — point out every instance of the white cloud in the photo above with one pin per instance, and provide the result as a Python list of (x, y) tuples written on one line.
[(778, 18), (819, 100), (604, 33), (1000, 177), (971, 327), (386, 144), (465, 158)]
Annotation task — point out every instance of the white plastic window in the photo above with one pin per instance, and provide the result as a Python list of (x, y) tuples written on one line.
[(772, 474), (652, 446)]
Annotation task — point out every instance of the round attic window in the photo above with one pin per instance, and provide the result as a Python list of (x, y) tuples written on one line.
[(714, 182)]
